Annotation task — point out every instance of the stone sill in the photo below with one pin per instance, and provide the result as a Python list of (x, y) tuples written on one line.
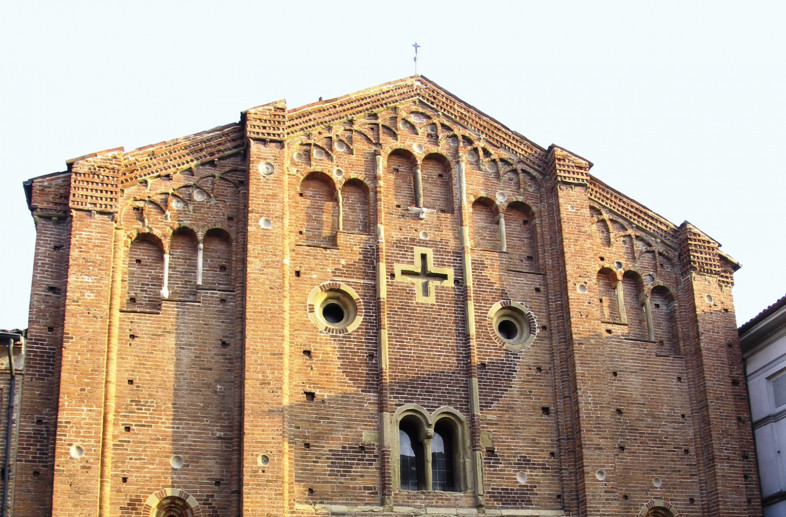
[(526, 272), (312, 245), (140, 311), (639, 340), (674, 356)]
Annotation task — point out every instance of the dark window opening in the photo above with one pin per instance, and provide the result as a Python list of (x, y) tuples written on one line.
[(333, 313), (410, 458), (442, 459)]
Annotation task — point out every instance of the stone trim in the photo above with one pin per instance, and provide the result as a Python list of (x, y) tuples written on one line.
[(430, 269), (517, 309), (344, 296), (340, 510), (659, 504), (154, 499)]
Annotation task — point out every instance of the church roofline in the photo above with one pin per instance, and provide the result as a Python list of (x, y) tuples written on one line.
[(185, 151), (114, 150)]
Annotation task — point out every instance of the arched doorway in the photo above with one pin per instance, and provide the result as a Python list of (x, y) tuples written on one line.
[(173, 507), (658, 508), (172, 502)]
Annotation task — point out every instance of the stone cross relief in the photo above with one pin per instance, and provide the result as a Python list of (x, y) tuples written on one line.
[(424, 275)]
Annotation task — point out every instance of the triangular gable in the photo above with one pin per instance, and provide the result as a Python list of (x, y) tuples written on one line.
[(266, 120)]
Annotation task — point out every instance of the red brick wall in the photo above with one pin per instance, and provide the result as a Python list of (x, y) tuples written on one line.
[(355, 207), (273, 415), (144, 274), (33, 471), (183, 247)]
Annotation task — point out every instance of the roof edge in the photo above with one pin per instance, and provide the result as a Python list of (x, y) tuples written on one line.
[(746, 328)]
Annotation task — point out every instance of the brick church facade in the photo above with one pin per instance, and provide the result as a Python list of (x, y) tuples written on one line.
[(382, 304)]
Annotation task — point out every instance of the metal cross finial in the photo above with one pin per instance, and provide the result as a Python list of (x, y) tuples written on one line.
[(416, 56)]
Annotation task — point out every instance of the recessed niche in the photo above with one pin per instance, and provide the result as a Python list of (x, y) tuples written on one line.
[(263, 460), (266, 169), (600, 475), (76, 451), (513, 325), (176, 461), (335, 308), (200, 195)]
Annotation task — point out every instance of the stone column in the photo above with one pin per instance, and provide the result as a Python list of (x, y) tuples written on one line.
[(385, 417), (469, 305)]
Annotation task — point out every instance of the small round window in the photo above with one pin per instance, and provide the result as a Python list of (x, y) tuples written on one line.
[(335, 308), (512, 325)]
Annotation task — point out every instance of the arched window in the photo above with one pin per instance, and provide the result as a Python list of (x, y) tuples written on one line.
[(145, 274), (410, 448), (664, 320), (354, 209), (401, 165), (183, 264), (443, 464), (520, 236), (437, 192), (217, 260), (319, 209), (430, 454), (608, 296), (485, 228), (632, 289)]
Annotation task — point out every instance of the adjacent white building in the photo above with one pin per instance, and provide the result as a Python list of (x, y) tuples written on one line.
[(763, 341)]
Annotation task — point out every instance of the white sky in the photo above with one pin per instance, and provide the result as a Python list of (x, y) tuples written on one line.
[(680, 105)]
